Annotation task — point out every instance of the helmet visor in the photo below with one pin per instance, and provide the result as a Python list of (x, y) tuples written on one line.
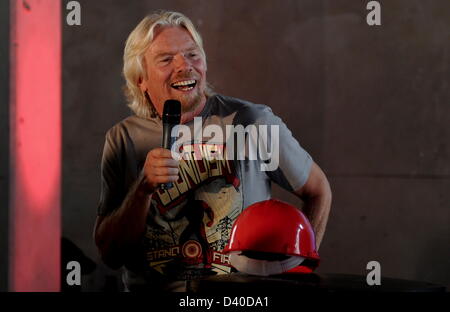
[(261, 267)]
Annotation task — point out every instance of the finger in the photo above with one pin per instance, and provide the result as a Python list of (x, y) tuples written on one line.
[(165, 179), (161, 153), (164, 162), (165, 171)]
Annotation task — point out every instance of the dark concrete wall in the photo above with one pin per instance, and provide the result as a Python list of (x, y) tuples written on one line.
[(370, 104)]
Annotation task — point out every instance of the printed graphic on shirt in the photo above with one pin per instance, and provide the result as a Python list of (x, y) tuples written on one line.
[(190, 224)]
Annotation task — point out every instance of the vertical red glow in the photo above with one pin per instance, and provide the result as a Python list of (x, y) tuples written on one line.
[(35, 145)]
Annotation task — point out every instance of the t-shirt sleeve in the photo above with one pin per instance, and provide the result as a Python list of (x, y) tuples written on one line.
[(294, 162), (112, 174)]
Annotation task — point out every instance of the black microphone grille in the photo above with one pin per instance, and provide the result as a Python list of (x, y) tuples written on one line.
[(172, 112)]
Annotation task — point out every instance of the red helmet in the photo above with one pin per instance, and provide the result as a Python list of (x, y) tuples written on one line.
[(272, 237)]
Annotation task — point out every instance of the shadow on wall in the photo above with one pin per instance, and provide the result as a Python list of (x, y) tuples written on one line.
[(90, 271), (95, 277), (71, 252), (431, 270)]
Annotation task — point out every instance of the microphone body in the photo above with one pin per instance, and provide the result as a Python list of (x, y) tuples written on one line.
[(171, 118)]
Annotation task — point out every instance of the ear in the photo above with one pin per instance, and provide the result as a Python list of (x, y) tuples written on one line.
[(142, 84)]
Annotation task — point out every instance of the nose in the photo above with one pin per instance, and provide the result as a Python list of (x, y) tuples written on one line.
[(182, 64)]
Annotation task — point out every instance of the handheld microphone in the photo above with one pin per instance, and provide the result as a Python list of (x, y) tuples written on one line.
[(171, 117)]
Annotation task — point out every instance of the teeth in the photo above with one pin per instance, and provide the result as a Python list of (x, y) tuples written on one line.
[(186, 88), (183, 83)]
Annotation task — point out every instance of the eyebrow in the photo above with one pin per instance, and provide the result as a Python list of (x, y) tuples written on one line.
[(163, 54)]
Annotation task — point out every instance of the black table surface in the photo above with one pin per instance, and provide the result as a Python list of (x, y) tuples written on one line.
[(243, 283)]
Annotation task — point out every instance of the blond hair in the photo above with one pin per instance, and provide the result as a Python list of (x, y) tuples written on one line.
[(133, 59)]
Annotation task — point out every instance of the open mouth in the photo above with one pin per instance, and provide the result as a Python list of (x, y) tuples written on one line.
[(185, 85)]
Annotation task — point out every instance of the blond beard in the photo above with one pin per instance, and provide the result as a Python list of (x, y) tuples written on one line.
[(192, 103)]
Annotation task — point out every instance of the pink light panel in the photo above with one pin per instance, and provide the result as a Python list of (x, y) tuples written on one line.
[(35, 145)]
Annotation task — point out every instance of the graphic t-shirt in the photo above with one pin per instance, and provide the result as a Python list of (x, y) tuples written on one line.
[(189, 224)]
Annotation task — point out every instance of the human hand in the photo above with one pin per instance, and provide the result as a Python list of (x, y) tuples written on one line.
[(159, 168)]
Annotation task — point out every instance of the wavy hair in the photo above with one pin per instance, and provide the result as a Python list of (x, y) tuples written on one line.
[(134, 62)]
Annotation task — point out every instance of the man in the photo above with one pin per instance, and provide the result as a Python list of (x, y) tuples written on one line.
[(159, 235)]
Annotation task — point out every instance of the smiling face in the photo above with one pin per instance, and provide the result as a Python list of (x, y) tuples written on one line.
[(176, 69)]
